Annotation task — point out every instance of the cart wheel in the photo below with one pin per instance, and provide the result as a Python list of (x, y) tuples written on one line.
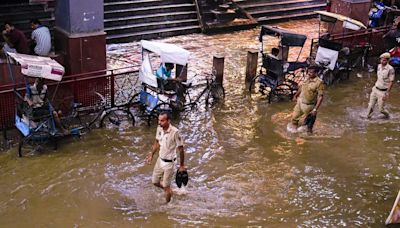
[(55, 143), (258, 89), (161, 107), (33, 143), (217, 91), (293, 88), (284, 91), (328, 78), (20, 145), (121, 118)]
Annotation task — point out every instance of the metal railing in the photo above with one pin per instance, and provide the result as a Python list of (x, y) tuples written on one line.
[(116, 85)]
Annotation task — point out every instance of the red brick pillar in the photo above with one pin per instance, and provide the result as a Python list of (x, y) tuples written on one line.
[(79, 35)]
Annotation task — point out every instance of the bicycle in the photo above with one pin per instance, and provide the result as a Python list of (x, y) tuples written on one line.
[(212, 89)]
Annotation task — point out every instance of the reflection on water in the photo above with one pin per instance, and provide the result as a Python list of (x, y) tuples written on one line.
[(244, 170)]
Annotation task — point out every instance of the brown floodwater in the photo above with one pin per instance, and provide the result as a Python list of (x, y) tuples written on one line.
[(245, 170)]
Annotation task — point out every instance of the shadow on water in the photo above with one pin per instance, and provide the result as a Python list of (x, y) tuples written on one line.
[(245, 170)]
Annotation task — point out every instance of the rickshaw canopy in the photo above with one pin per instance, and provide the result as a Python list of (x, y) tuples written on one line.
[(38, 67), (169, 53), (288, 38), (348, 22)]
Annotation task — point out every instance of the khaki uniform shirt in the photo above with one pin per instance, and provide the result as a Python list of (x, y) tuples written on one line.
[(385, 75), (169, 140), (311, 89)]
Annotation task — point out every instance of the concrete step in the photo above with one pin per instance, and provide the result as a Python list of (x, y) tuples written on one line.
[(152, 34), (286, 11), (8, 8), (134, 28), (149, 10), (117, 5), (286, 4), (161, 17), (249, 2), (24, 15), (274, 19)]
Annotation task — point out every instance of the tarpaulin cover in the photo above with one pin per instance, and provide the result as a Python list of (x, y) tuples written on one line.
[(348, 22), (169, 53), (39, 67)]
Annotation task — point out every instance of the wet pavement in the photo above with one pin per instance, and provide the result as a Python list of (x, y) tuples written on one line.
[(245, 170)]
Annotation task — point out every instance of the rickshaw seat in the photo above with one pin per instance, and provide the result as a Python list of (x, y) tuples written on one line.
[(23, 109), (162, 89), (272, 65)]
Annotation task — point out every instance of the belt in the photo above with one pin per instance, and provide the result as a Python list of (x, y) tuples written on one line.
[(308, 104), (166, 160), (381, 89)]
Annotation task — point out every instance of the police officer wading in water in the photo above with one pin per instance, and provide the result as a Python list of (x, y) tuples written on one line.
[(382, 87), (308, 98), (167, 142)]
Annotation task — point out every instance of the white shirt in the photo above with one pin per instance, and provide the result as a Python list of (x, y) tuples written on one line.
[(169, 140), (42, 37)]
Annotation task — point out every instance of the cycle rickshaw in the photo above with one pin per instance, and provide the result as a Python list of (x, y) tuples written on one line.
[(277, 77), (37, 128), (153, 96), (338, 58)]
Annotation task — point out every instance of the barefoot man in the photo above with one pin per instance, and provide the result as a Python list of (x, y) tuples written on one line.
[(308, 98), (167, 142), (384, 82)]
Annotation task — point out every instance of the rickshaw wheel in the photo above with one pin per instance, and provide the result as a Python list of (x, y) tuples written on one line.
[(161, 107), (33, 143), (287, 89), (328, 78), (256, 87), (217, 92), (121, 118)]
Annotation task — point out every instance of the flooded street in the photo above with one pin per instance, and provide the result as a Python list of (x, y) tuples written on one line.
[(245, 170)]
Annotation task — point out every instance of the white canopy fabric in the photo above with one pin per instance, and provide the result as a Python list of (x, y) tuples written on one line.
[(39, 67), (169, 53), (146, 72), (325, 54), (347, 21)]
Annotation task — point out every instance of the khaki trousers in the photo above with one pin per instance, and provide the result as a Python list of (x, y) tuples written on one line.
[(300, 110), (377, 97), (163, 173)]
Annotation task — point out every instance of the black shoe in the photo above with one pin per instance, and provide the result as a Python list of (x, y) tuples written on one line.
[(181, 178)]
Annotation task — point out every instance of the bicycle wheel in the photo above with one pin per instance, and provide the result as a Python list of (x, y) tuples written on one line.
[(258, 89), (217, 91), (159, 108), (34, 143), (85, 118), (328, 78), (117, 118)]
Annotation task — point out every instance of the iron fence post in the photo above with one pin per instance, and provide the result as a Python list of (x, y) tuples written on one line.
[(112, 78)]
